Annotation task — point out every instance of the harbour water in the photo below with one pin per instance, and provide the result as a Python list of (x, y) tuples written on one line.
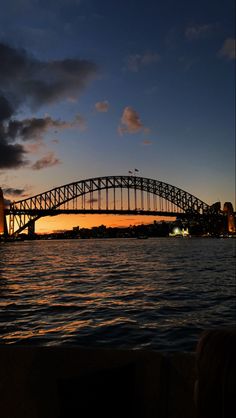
[(155, 294)]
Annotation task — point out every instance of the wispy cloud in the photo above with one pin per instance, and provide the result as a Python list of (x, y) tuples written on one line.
[(197, 31), (78, 122), (102, 106), (55, 141), (151, 90), (49, 160), (228, 49), (146, 142), (35, 147), (135, 62), (188, 62)]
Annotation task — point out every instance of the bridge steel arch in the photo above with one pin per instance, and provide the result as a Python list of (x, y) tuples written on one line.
[(24, 213)]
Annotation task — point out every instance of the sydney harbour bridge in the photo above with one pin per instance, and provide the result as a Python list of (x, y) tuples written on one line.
[(127, 195)]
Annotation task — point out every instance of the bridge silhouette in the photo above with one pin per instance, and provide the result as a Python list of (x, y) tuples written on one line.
[(127, 195)]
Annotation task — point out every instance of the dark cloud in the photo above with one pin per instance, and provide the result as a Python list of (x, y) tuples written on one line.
[(7, 202), (27, 81), (34, 128), (6, 109), (36, 82), (15, 64), (11, 155), (94, 200), (13, 192)]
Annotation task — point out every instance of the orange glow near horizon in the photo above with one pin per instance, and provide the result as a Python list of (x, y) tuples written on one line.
[(67, 222)]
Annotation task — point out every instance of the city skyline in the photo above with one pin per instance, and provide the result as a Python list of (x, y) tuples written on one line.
[(91, 89)]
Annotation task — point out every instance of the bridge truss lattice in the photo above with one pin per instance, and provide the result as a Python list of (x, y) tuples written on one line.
[(111, 194)]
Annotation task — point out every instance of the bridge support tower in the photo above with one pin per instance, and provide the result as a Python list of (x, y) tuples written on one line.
[(31, 229), (3, 222), (229, 211)]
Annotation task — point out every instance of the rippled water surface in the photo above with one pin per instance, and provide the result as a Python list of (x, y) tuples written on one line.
[(156, 294)]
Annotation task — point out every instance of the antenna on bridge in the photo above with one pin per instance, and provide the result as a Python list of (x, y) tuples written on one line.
[(134, 171)]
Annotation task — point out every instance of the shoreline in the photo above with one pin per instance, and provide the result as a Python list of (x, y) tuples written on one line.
[(64, 238)]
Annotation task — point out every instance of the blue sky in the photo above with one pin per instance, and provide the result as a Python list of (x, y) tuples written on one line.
[(156, 92)]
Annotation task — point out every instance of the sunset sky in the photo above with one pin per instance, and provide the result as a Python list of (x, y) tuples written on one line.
[(92, 88)]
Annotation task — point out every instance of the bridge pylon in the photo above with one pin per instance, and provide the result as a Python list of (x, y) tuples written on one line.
[(31, 229), (231, 221), (3, 222)]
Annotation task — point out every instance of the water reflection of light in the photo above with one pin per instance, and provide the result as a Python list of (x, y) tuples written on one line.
[(58, 292), (68, 327)]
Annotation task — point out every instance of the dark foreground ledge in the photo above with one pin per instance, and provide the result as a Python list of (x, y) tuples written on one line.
[(68, 382)]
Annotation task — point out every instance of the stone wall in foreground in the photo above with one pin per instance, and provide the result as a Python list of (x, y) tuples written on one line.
[(68, 382)]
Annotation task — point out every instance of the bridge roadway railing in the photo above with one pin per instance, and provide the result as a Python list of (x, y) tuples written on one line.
[(22, 212)]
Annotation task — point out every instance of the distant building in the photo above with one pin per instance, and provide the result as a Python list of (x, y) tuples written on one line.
[(179, 231)]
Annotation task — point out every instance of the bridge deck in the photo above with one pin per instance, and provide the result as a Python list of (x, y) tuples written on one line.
[(53, 212)]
